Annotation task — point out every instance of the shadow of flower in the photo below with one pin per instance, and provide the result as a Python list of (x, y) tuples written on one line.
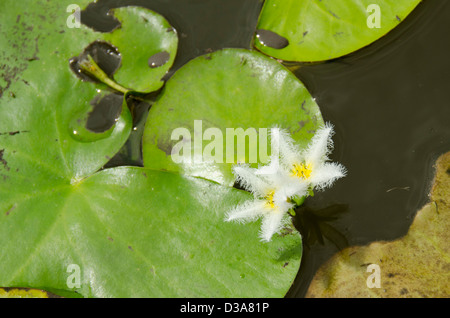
[(314, 225)]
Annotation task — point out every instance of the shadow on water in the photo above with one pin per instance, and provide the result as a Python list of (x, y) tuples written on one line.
[(389, 103)]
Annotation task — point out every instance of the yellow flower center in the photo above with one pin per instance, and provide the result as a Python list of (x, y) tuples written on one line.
[(269, 198), (302, 170)]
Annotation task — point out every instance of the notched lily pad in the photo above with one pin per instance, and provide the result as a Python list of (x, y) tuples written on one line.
[(142, 33)]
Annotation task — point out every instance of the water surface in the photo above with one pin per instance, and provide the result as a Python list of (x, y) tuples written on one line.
[(389, 102)]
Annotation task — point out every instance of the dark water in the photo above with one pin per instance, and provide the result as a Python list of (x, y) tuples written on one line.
[(389, 102)]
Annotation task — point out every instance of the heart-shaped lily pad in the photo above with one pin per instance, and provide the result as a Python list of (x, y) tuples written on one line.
[(317, 30), (131, 232), (210, 98), (123, 232)]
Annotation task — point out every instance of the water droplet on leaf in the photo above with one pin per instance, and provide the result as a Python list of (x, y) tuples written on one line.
[(271, 39), (159, 59), (98, 123)]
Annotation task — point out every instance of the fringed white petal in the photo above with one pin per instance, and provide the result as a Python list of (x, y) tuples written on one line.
[(320, 146), (293, 186), (324, 176), (280, 200), (272, 223), (283, 144), (250, 181), (248, 211), (271, 168)]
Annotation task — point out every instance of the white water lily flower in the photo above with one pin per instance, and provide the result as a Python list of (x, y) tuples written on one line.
[(272, 199), (310, 165), (286, 180)]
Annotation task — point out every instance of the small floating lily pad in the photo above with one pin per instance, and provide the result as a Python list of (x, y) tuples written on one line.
[(319, 30), (143, 35)]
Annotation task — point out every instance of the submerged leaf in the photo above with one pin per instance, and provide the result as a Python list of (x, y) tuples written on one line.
[(416, 265)]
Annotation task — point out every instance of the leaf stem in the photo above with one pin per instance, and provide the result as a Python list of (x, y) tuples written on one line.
[(90, 67)]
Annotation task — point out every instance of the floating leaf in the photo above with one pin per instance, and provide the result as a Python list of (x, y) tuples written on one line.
[(416, 265), (123, 232), (228, 89), (44, 106), (124, 52), (133, 232), (317, 30), (148, 46)]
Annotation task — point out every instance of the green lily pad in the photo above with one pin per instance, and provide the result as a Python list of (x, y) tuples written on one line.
[(124, 232), (133, 232), (318, 30), (44, 106), (141, 36), (417, 265), (228, 89), (148, 45)]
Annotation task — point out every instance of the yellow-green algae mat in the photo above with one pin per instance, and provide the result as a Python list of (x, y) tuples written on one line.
[(25, 293), (417, 265)]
